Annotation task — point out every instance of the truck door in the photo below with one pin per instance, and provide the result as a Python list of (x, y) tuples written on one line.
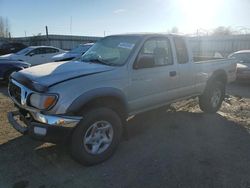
[(186, 68), (153, 76)]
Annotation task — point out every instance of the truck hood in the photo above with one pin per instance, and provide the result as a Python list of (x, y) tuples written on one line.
[(49, 74)]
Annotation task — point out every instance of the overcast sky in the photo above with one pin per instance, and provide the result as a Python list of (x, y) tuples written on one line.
[(93, 17)]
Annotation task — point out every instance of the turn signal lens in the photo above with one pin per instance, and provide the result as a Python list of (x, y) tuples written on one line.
[(49, 101), (42, 101)]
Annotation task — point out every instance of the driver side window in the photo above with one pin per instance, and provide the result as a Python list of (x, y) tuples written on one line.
[(31, 53), (155, 52), (35, 52)]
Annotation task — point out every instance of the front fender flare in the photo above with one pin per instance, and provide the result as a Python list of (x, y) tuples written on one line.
[(84, 98)]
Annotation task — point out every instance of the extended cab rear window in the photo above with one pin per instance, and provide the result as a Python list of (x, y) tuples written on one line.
[(181, 50)]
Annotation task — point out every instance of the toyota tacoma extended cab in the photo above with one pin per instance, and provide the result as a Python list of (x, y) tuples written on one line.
[(89, 100)]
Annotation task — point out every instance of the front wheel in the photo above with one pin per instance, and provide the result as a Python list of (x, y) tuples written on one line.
[(210, 101), (97, 136)]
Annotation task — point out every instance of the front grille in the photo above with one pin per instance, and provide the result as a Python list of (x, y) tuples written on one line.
[(15, 92)]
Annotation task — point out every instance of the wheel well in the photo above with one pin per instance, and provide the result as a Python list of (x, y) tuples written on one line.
[(220, 76), (111, 102)]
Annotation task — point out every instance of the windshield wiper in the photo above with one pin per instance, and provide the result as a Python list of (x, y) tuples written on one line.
[(98, 60)]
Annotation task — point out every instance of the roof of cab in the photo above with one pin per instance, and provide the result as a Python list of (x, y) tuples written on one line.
[(148, 34)]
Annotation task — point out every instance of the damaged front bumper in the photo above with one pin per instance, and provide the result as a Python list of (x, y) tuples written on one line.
[(47, 128)]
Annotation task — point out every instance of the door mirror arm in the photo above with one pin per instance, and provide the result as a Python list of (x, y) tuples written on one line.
[(144, 61)]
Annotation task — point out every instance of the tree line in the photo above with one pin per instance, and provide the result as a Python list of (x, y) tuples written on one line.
[(219, 31), (4, 27)]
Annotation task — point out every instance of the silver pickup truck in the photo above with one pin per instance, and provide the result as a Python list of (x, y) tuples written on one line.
[(89, 100)]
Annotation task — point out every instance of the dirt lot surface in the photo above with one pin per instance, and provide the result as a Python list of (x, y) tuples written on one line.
[(178, 147)]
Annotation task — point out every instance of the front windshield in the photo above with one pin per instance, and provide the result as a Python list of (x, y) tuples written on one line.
[(112, 50), (80, 49), (24, 51)]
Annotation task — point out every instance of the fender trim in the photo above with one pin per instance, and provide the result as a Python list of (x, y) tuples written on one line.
[(79, 102)]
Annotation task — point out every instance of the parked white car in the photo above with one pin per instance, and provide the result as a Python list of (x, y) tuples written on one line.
[(74, 53), (243, 64), (35, 55)]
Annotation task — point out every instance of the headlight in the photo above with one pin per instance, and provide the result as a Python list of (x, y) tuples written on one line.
[(43, 101)]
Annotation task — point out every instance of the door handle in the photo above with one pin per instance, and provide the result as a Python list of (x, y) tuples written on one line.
[(172, 73)]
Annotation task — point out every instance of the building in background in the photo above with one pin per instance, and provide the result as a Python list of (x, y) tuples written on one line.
[(65, 42), (201, 45)]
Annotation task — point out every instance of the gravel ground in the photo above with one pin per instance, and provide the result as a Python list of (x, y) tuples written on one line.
[(176, 147)]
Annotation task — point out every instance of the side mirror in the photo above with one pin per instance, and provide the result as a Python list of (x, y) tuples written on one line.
[(144, 61), (31, 54)]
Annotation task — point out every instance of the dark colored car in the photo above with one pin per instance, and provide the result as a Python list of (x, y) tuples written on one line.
[(7, 48), (7, 67)]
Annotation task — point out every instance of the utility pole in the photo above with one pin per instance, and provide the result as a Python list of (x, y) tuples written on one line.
[(47, 33), (71, 25)]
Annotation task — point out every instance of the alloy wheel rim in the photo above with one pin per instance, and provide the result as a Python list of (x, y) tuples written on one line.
[(215, 99), (98, 137)]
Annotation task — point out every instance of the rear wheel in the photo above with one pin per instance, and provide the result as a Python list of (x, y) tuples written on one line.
[(212, 98), (97, 136)]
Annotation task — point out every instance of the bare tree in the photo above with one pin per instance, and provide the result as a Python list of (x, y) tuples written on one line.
[(4, 27), (174, 30), (35, 40), (222, 31)]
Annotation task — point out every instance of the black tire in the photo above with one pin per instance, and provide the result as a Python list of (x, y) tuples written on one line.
[(78, 149), (205, 100)]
